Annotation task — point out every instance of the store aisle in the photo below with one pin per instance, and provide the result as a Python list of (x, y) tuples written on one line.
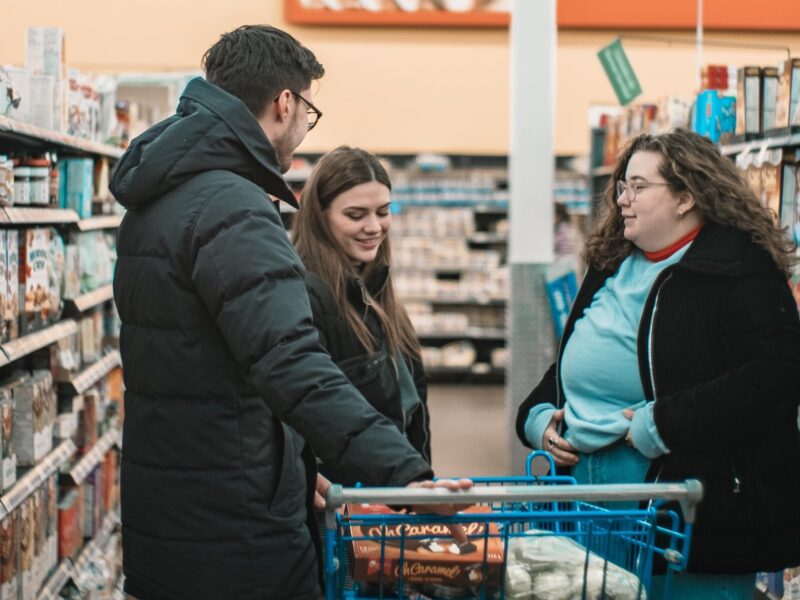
[(468, 426)]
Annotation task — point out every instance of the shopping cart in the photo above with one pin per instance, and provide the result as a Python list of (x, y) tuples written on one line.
[(534, 538)]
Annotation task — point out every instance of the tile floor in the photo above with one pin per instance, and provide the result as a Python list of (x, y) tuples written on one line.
[(469, 432)]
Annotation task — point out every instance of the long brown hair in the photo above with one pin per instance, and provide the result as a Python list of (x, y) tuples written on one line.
[(689, 163), (338, 171)]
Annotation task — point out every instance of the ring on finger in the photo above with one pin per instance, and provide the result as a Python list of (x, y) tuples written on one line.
[(552, 441)]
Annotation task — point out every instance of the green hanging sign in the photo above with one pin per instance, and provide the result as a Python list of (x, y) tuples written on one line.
[(620, 73)]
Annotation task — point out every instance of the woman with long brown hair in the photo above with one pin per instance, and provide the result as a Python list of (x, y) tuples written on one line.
[(341, 234), (680, 359)]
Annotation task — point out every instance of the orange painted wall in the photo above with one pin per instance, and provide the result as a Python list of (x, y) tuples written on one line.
[(398, 90)]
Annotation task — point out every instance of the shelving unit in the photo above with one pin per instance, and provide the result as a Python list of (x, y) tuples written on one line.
[(81, 469), (19, 138), (93, 548), (53, 585), (16, 349), (35, 477), (31, 136), (90, 299), (80, 382), (100, 222), (39, 216)]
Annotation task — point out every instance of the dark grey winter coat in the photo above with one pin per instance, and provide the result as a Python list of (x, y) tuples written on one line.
[(224, 373)]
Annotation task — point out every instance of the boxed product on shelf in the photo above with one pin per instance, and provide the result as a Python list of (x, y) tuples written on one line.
[(748, 101), (34, 414), (70, 523), (55, 274), (76, 183), (9, 550), (42, 90), (11, 305), (21, 86), (110, 481), (51, 554), (769, 97), (93, 503), (72, 272), (5, 333), (787, 113), (88, 421), (34, 254), (715, 115), (499, 358), (790, 200), (6, 179), (45, 54), (91, 337), (458, 354), (27, 527), (96, 254), (39, 535), (8, 469), (67, 358)]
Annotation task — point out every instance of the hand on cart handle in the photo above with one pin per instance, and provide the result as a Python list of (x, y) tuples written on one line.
[(562, 451), (323, 483), (454, 485)]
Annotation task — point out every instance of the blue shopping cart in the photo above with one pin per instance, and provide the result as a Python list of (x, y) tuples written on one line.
[(528, 538)]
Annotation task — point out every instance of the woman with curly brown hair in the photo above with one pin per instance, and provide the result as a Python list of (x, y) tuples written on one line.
[(680, 357)]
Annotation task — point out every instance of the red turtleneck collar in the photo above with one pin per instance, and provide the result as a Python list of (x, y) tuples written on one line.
[(673, 248)]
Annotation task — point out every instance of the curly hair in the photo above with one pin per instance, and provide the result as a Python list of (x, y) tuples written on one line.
[(690, 163)]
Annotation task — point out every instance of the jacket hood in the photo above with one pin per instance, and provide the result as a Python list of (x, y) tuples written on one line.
[(211, 130)]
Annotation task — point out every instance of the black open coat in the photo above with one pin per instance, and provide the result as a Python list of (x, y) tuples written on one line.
[(373, 373), (724, 371)]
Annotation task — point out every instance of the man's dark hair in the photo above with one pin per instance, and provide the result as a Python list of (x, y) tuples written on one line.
[(255, 63)]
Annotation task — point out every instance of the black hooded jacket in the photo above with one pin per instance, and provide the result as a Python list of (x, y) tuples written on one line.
[(373, 373), (719, 352), (223, 369)]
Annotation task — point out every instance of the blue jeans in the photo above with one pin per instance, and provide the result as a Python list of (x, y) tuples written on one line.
[(619, 463)]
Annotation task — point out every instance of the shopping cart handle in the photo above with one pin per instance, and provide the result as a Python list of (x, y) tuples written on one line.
[(689, 494)]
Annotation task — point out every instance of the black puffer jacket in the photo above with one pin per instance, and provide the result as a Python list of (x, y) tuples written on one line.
[(723, 373), (374, 374), (223, 368)]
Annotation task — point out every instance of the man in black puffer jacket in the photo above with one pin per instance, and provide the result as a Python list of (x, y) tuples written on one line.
[(223, 370)]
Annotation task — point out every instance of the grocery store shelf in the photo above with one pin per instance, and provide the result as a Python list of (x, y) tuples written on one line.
[(441, 269), (761, 144), (483, 237), (94, 547), (100, 222), (472, 333), (35, 477), (297, 175), (476, 373), (603, 171), (456, 301), (27, 133), (81, 469), (91, 299), (82, 381), (16, 349), (51, 590), (17, 215)]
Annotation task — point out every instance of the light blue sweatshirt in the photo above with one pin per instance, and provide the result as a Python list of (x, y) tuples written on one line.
[(600, 368)]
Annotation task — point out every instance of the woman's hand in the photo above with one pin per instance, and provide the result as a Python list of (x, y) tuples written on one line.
[(628, 414), (563, 452), (454, 485)]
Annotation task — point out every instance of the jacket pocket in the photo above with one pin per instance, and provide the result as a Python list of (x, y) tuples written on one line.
[(375, 377), (289, 497)]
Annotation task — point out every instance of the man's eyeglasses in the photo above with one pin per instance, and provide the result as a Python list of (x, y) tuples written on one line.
[(632, 188), (314, 114)]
